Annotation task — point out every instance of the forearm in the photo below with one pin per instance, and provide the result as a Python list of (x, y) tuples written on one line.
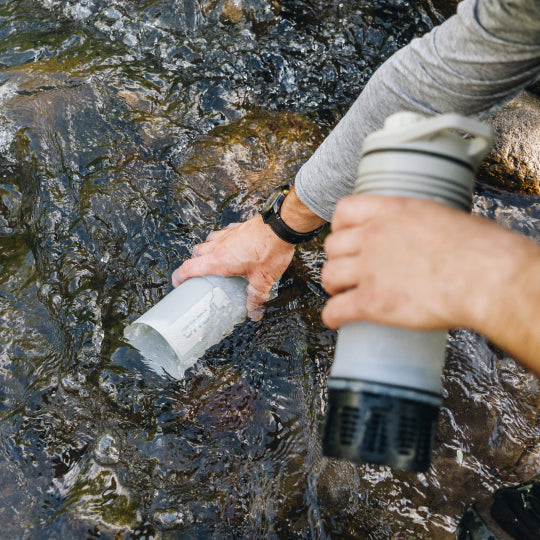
[(473, 63), (510, 314)]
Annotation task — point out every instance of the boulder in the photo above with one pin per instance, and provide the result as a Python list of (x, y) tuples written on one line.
[(514, 161)]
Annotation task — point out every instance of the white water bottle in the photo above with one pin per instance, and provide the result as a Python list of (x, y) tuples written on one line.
[(384, 389), (196, 315)]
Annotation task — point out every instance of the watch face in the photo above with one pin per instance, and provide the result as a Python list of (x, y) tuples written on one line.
[(269, 204)]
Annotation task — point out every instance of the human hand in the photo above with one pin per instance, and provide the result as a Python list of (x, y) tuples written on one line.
[(249, 249), (415, 263)]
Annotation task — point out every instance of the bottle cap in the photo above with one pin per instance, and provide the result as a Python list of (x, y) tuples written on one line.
[(452, 135)]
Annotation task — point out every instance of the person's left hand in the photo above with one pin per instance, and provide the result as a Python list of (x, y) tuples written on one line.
[(249, 249), (411, 263)]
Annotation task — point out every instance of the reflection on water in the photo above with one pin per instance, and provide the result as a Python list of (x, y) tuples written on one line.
[(128, 131)]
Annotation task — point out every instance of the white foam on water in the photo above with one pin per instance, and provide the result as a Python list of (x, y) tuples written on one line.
[(130, 40), (7, 131), (7, 91), (80, 10), (49, 4), (6, 138)]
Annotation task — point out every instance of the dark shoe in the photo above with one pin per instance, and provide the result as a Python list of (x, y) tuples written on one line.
[(512, 513)]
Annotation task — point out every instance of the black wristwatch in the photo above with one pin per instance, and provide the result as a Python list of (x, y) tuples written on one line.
[(270, 213)]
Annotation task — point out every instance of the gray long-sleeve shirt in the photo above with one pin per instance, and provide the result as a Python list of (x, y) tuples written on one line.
[(472, 64)]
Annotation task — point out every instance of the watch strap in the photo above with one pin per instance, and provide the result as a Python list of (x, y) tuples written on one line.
[(273, 219)]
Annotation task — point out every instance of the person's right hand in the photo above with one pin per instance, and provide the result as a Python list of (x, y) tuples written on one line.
[(249, 249), (416, 263)]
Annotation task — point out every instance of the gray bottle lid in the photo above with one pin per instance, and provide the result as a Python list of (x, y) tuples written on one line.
[(457, 137)]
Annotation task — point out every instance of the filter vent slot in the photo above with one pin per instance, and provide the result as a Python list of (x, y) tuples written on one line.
[(375, 436), (349, 419)]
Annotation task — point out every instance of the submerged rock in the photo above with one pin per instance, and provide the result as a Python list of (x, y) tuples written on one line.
[(514, 161), (244, 160)]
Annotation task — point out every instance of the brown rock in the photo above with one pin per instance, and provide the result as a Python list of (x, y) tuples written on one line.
[(514, 161)]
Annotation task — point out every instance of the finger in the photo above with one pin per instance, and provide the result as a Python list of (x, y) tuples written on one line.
[(341, 309), (358, 209), (206, 247), (215, 235), (256, 313), (340, 274), (256, 298), (200, 266), (342, 243), (203, 249)]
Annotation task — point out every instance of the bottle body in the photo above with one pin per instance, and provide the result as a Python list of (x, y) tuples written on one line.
[(196, 315), (396, 356), (384, 388)]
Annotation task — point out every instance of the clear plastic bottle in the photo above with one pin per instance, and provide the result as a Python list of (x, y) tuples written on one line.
[(384, 389), (196, 315)]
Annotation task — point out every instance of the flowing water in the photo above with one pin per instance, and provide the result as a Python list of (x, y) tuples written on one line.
[(128, 131)]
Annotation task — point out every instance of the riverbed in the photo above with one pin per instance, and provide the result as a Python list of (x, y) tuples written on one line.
[(128, 131)]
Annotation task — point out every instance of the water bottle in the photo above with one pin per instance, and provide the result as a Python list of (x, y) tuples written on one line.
[(196, 315), (385, 389)]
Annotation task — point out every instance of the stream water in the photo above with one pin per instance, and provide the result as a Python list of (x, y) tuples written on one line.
[(128, 131)]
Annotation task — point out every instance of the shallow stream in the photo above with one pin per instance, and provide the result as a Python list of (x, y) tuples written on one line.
[(128, 131)]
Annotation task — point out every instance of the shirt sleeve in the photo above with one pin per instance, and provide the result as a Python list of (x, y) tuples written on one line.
[(472, 64)]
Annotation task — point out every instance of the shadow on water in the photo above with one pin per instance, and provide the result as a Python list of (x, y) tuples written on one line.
[(128, 131)]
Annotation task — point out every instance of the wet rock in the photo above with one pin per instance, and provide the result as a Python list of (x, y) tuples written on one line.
[(98, 493), (116, 105), (5, 229), (235, 11), (446, 7), (88, 111), (223, 402), (514, 161), (77, 214)]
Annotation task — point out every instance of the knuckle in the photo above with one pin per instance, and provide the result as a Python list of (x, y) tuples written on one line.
[(329, 244)]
